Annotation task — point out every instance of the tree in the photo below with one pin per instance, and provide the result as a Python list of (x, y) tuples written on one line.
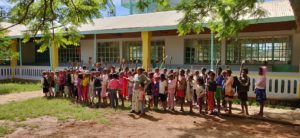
[(223, 17), (6, 53), (54, 21)]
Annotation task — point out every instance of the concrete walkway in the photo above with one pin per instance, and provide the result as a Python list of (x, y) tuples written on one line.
[(19, 96)]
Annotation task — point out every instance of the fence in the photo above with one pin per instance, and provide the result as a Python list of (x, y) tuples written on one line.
[(279, 85)]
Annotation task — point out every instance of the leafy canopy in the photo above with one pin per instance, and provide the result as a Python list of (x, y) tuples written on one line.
[(6, 53), (223, 17), (55, 21)]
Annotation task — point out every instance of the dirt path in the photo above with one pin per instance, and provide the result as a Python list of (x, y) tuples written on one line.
[(19, 96), (155, 124), (165, 125)]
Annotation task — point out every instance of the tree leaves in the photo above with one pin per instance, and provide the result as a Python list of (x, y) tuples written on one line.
[(55, 20), (223, 17)]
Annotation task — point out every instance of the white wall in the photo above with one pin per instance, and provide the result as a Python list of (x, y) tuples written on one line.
[(175, 45), (87, 50), (174, 49)]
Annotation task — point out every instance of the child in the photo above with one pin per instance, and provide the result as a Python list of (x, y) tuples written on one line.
[(244, 85), (61, 82), (149, 97), (75, 81), (171, 91), (113, 86), (163, 87), (142, 99), (45, 83), (219, 82), (200, 93), (211, 89), (68, 81), (56, 83), (181, 89), (85, 87), (51, 84), (155, 91), (104, 78), (124, 87), (228, 89), (92, 91), (97, 85), (260, 89), (79, 87), (130, 86), (189, 92)]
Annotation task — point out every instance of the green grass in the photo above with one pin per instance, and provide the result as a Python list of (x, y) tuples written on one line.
[(63, 109), (9, 86), (5, 130)]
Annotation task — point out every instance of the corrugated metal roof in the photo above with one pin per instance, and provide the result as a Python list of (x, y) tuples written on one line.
[(163, 20)]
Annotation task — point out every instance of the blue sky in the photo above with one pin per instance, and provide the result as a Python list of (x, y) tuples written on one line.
[(120, 11)]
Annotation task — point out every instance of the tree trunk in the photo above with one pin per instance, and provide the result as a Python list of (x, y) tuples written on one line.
[(296, 8)]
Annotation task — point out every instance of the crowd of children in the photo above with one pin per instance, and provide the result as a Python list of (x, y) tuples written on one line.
[(209, 91)]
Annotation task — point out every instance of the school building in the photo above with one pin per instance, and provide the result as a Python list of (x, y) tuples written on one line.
[(144, 39)]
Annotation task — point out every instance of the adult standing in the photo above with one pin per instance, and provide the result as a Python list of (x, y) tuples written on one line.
[(140, 80)]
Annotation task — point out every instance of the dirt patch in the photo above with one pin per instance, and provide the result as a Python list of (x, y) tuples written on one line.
[(123, 124), (19, 96)]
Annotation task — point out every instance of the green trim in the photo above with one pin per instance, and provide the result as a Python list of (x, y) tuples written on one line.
[(212, 51), (130, 30), (20, 52), (272, 19), (95, 49)]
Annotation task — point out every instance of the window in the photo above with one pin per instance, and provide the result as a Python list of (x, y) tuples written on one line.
[(70, 53), (42, 58), (276, 50), (157, 50), (133, 51), (197, 51), (108, 52)]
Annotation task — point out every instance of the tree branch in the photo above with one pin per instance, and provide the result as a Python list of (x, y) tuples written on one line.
[(22, 19)]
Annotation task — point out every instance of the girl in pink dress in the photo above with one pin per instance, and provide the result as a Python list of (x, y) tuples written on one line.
[(171, 91), (124, 87)]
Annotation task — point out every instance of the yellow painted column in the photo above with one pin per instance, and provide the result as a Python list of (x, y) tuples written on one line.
[(13, 60), (53, 56), (146, 49)]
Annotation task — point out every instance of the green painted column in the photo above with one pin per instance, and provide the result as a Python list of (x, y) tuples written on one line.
[(95, 49), (212, 51), (20, 52)]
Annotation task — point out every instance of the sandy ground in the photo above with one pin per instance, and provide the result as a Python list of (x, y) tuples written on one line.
[(155, 124), (19, 96)]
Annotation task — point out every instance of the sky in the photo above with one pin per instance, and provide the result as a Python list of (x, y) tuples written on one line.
[(120, 11)]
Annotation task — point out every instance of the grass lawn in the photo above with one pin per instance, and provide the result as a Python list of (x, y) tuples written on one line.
[(61, 108), (9, 86), (5, 130)]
